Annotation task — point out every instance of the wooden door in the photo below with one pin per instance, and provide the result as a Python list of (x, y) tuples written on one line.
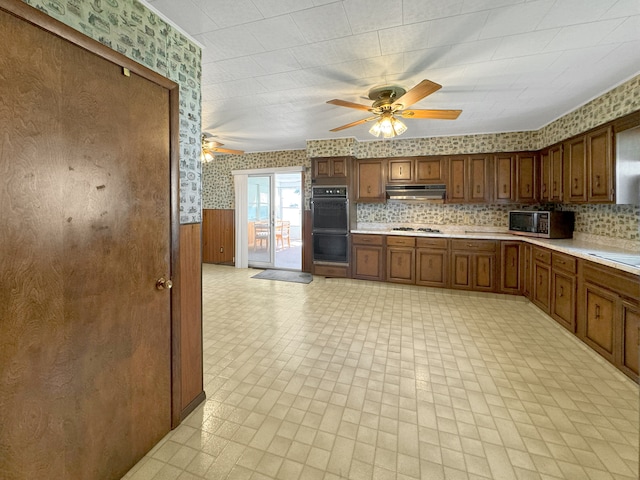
[(563, 299), (600, 320), (370, 181), (576, 170), (504, 165), (526, 178), (542, 285), (401, 265), (85, 338), (484, 272), (479, 186), (321, 167), (367, 262), (400, 171), (557, 173), (600, 165), (631, 339), (461, 270), (510, 271), (457, 186), (545, 176), (526, 269), (431, 267), (429, 170)]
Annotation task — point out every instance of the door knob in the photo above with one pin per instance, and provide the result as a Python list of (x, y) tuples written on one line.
[(164, 283)]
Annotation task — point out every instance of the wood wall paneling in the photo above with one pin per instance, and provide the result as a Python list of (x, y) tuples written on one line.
[(190, 355), (218, 236)]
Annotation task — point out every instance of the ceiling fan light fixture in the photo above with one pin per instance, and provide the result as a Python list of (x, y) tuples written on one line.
[(388, 126)]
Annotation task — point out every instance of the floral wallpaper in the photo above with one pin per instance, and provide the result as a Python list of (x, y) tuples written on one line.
[(131, 29)]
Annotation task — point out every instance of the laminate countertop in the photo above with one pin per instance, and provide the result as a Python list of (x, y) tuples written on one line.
[(611, 256)]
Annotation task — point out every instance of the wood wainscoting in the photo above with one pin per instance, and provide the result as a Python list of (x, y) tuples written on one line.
[(218, 236), (189, 344)]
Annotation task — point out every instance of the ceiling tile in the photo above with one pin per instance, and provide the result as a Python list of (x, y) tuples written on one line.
[(404, 39), (228, 43), (516, 19), (628, 31), (369, 15), (572, 12), (479, 5), (277, 61), (322, 23), (228, 13), (240, 67), (276, 33), (584, 35), (459, 29), (414, 11), (526, 44), (186, 15), (273, 8)]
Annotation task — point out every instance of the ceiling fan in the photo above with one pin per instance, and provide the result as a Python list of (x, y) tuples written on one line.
[(209, 147), (389, 102)]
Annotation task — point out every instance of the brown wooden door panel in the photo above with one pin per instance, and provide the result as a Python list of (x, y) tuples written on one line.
[(631, 338), (401, 265), (527, 178), (479, 179), (557, 173), (429, 170), (563, 299), (576, 170), (461, 266), (600, 164), (483, 272), (541, 285), (600, 320), (367, 262), (431, 267), (400, 171), (456, 190), (87, 219), (504, 177), (510, 271)]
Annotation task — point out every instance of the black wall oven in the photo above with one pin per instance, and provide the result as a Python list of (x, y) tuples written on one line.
[(330, 224)]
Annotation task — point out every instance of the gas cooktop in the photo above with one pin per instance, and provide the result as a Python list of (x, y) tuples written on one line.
[(411, 229)]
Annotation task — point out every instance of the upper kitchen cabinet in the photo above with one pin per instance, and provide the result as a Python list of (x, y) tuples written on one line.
[(515, 177), (468, 180), (589, 167), (330, 168), (401, 170), (420, 170), (370, 181), (551, 185)]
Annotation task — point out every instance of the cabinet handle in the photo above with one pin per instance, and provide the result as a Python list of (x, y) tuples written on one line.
[(366, 258), (555, 186), (504, 188), (539, 279), (598, 181), (561, 291), (369, 189), (429, 170), (457, 188), (575, 183), (513, 262), (400, 171), (597, 311), (528, 188), (430, 263), (544, 188), (477, 188)]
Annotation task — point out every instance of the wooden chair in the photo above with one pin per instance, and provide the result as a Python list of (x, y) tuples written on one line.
[(261, 235), (282, 233)]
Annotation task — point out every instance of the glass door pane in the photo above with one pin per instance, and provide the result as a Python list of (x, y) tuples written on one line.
[(288, 221), (260, 220)]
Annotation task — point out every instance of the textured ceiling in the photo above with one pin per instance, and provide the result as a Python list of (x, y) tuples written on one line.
[(269, 66)]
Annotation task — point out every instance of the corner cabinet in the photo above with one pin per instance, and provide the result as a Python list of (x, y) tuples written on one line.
[(370, 181)]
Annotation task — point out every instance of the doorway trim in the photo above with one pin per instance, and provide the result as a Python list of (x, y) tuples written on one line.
[(240, 178)]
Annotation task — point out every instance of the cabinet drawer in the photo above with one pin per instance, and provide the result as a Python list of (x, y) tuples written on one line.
[(330, 271), (422, 242), (360, 239), (564, 262), (401, 241), (473, 245), (542, 255)]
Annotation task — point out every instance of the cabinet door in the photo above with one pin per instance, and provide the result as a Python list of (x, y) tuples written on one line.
[(370, 181), (527, 178), (504, 173), (541, 285), (321, 167), (430, 170), (367, 262), (461, 270), (456, 189), (483, 272), (510, 280), (400, 171), (401, 265), (600, 165), (479, 179), (563, 299), (557, 173), (526, 270), (545, 176), (431, 267), (599, 330), (630, 339), (576, 170)]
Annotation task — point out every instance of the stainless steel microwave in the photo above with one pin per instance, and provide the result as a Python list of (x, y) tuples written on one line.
[(543, 224)]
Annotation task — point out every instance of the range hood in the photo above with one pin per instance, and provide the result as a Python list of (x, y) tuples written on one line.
[(417, 193)]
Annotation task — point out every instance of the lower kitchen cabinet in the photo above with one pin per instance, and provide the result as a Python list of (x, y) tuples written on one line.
[(510, 263), (473, 265), (401, 259), (563, 290), (527, 268), (608, 314), (432, 262), (541, 288), (367, 260)]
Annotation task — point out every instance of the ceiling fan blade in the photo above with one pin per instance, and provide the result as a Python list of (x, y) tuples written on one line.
[(353, 124), (417, 93), (344, 103), (434, 114), (228, 150)]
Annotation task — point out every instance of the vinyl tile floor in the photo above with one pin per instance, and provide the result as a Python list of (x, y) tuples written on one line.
[(348, 379)]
